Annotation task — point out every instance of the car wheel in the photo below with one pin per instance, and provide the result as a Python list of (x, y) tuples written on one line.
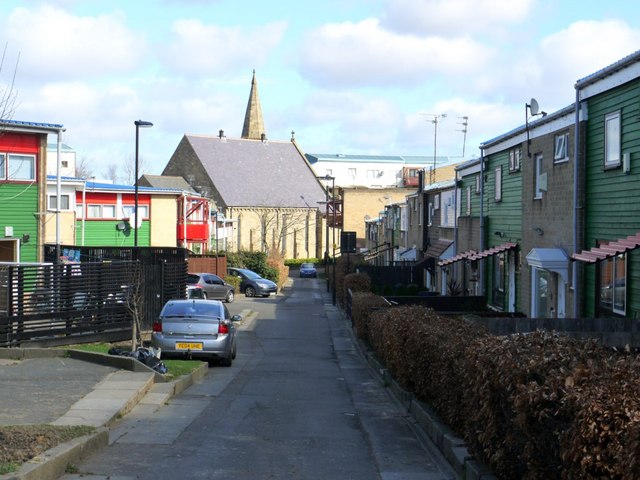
[(234, 353), (250, 292), (265, 295), (226, 362), (204, 295), (230, 297)]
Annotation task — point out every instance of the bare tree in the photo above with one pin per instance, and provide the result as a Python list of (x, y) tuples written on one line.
[(130, 170), (111, 173), (135, 304), (278, 224), (8, 95), (83, 168)]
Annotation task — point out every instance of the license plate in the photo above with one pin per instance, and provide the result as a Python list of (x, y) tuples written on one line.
[(188, 346)]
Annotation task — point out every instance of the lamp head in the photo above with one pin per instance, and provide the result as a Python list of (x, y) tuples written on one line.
[(143, 124)]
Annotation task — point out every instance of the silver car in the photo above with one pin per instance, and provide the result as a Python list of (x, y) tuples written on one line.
[(211, 287), (195, 328)]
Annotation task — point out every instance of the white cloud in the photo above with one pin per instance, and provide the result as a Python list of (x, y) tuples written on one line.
[(202, 49), (54, 44), (452, 17), (548, 70), (362, 53)]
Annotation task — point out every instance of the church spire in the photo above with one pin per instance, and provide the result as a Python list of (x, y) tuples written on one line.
[(253, 128)]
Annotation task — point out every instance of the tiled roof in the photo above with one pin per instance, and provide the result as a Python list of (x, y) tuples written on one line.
[(252, 173), (165, 181)]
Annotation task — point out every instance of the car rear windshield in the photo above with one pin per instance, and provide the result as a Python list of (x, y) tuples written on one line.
[(191, 279), (192, 309)]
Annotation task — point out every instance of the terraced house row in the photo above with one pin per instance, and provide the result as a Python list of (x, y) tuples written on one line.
[(546, 222)]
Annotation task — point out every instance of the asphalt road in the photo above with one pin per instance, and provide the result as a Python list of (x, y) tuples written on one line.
[(299, 402)]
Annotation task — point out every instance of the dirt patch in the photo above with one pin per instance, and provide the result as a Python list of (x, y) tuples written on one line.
[(21, 443)]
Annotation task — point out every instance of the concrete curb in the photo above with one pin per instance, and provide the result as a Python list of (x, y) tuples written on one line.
[(452, 447), (53, 463), (152, 391)]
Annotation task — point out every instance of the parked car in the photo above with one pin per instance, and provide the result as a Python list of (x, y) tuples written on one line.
[(252, 284), (194, 328), (308, 270), (212, 286)]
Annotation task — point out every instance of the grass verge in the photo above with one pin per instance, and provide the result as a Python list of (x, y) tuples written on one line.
[(176, 368)]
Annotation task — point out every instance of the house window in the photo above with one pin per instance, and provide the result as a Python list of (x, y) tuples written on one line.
[(436, 202), (515, 159), (127, 211), (108, 211), (3, 167), (468, 200), (64, 163), (52, 202), (352, 173), (613, 284), (540, 177), (79, 210), (420, 213), (498, 279), (478, 183), (22, 167), (498, 192), (430, 215), (561, 151), (94, 211), (612, 140)]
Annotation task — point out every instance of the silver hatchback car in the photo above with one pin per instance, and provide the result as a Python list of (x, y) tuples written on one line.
[(195, 328)]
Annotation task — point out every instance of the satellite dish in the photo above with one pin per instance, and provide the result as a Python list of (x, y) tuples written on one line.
[(134, 221), (367, 218), (534, 107), (121, 226)]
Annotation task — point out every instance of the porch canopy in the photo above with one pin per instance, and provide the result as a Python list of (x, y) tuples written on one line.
[(608, 250), (473, 255), (551, 259)]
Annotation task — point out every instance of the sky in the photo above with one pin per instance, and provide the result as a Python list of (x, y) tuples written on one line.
[(347, 76)]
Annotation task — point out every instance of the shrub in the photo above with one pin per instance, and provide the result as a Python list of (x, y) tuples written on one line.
[(362, 305)]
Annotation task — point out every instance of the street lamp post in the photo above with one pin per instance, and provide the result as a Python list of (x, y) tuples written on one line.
[(326, 254), (138, 124)]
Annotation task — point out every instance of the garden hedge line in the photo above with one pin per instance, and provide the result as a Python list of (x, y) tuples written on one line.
[(530, 406)]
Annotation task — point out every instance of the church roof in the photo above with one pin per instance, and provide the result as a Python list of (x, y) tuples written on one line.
[(253, 173)]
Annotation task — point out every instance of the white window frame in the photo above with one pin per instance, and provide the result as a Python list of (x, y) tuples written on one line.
[(561, 148), (109, 211), (92, 208), (612, 136), (515, 159), (478, 183), (538, 172), (468, 200), (127, 211), (498, 187), (21, 158), (52, 203)]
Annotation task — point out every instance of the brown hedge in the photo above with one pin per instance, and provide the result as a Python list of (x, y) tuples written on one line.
[(533, 406)]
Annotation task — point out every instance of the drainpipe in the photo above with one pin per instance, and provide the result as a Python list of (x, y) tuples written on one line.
[(482, 226), (58, 196), (576, 208)]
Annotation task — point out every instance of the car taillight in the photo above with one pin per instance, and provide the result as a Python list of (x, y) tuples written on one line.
[(157, 327), (223, 328)]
